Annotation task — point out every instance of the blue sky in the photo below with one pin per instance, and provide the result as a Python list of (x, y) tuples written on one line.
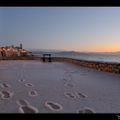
[(62, 28)]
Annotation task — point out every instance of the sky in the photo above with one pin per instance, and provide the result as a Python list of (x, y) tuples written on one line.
[(86, 29)]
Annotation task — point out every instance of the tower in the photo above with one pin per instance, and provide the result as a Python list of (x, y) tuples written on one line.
[(20, 45)]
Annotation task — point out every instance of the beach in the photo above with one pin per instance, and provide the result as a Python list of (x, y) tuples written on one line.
[(30, 86)]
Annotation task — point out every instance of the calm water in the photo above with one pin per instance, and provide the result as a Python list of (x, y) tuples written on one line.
[(104, 57)]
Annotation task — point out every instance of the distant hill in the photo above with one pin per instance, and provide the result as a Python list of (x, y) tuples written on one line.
[(60, 52)]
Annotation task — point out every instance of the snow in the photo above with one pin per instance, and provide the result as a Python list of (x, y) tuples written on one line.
[(52, 82)]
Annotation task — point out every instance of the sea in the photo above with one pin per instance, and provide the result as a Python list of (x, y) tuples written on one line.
[(113, 57)]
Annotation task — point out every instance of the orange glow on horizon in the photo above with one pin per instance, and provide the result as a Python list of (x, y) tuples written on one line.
[(99, 48)]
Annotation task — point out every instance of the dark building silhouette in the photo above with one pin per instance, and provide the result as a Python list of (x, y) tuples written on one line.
[(12, 46), (20, 45)]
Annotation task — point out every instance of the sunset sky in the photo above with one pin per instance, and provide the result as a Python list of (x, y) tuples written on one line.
[(93, 29)]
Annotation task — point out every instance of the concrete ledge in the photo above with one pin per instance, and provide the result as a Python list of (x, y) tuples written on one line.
[(101, 66)]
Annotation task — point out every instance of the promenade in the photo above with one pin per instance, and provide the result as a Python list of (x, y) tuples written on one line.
[(56, 87)]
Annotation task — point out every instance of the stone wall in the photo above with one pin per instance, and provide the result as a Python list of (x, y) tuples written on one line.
[(101, 66)]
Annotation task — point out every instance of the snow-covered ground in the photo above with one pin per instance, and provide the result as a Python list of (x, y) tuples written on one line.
[(57, 87)]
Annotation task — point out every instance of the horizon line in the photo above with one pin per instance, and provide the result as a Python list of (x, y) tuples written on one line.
[(35, 49)]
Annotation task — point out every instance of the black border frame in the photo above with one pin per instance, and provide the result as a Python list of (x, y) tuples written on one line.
[(60, 3), (56, 3)]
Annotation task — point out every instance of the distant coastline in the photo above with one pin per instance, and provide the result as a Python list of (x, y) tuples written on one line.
[(94, 56)]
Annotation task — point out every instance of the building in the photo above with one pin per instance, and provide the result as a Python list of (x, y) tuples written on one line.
[(0, 54), (9, 51), (12, 51), (20, 45)]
